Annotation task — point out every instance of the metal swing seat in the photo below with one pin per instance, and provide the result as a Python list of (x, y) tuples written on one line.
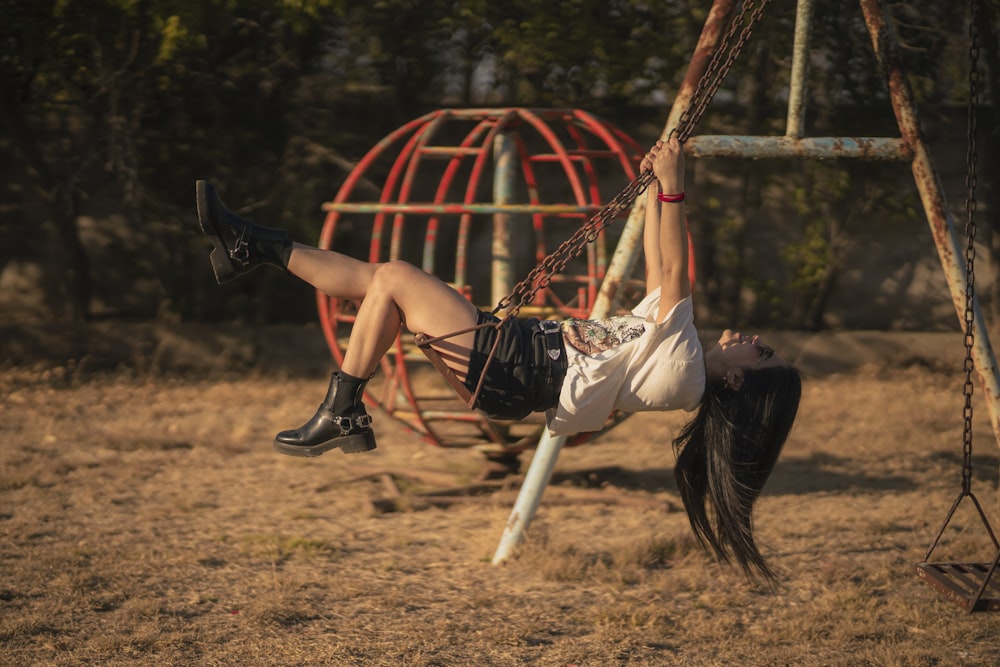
[(970, 585), (973, 586)]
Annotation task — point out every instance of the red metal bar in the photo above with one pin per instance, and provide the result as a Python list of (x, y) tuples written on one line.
[(532, 118), (430, 208), (444, 186)]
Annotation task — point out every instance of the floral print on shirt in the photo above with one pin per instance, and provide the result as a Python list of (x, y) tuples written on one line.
[(595, 336)]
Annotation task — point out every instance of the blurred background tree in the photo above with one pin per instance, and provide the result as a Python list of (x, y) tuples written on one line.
[(110, 109)]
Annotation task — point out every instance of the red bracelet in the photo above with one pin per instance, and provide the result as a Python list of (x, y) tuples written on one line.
[(670, 199)]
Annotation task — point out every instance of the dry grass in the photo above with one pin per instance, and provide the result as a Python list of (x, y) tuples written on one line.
[(146, 522)]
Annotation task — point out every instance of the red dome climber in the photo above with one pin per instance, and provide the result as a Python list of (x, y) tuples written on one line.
[(477, 197)]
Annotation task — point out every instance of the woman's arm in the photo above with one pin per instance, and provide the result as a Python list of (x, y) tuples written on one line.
[(651, 237), (665, 236)]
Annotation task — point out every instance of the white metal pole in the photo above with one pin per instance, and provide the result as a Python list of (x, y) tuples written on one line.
[(795, 124), (504, 152), (537, 478)]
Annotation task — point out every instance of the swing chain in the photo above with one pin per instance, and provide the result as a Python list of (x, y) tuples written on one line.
[(718, 68), (722, 62), (970, 250), (540, 277)]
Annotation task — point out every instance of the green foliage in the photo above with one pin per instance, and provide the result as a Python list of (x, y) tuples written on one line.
[(631, 49), (813, 256), (810, 255), (832, 204), (114, 107)]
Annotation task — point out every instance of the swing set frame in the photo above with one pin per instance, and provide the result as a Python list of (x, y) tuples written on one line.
[(970, 585)]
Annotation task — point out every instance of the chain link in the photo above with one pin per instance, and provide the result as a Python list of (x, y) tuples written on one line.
[(718, 68), (970, 249), (540, 277)]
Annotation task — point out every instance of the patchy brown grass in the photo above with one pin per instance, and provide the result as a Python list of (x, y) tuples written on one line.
[(146, 521)]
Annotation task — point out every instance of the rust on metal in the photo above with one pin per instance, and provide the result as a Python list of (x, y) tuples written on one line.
[(932, 197), (786, 147), (969, 585), (715, 26), (626, 254)]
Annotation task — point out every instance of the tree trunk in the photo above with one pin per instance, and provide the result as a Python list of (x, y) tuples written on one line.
[(75, 278), (71, 286)]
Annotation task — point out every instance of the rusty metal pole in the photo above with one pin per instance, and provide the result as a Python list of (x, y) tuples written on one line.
[(627, 251), (795, 124), (949, 245), (874, 149), (621, 267), (504, 152)]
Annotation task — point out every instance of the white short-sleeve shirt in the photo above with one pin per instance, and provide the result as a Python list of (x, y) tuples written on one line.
[(660, 369)]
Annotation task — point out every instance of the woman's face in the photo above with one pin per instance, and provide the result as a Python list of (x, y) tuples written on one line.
[(737, 350)]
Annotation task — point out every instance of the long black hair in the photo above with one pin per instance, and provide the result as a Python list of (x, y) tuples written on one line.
[(726, 453)]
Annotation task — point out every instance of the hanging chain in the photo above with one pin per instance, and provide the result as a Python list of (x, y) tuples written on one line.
[(540, 277), (970, 249), (718, 68)]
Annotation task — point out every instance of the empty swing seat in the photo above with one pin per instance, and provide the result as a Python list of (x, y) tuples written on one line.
[(971, 586)]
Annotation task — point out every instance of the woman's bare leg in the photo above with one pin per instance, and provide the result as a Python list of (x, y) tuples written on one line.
[(331, 272), (396, 294), (400, 294), (392, 295)]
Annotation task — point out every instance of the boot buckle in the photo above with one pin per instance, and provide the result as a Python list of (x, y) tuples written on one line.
[(241, 250), (347, 424)]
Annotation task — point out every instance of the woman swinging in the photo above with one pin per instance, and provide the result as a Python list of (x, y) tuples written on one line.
[(578, 371)]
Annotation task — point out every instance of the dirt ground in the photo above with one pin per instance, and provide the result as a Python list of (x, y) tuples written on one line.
[(145, 521)]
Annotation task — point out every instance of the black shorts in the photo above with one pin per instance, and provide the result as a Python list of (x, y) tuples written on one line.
[(526, 372)]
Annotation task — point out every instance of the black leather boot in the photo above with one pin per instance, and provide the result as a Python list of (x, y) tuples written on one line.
[(341, 421), (240, 245)]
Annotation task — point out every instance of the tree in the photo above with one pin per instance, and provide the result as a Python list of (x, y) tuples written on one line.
[(132, 98)]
